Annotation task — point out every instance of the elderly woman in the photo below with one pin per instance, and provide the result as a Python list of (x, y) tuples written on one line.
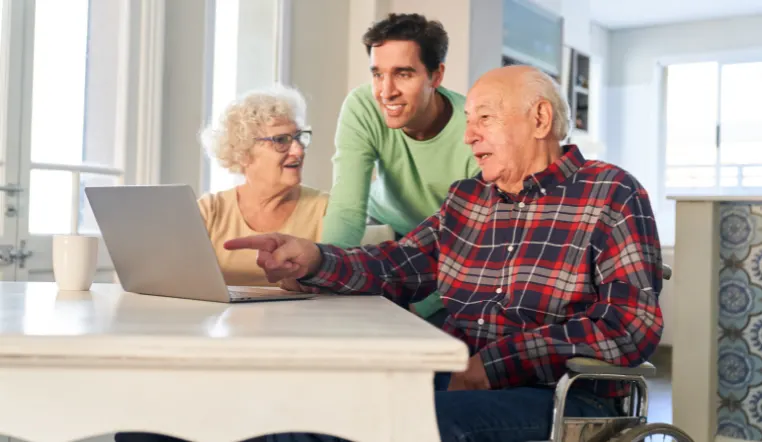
[(262, 135)]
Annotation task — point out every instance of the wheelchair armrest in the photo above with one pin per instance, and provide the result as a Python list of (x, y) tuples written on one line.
[(593, 366), (666, 272)]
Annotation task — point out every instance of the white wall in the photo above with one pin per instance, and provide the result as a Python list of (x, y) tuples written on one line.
[(577, 24), (485, 36), (599, 91), (362, 14), (185, 91), (318, 65), (633, 135)]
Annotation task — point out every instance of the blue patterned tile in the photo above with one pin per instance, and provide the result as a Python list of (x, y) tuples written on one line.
[(740, 228), (753, 335), (739, 298), (739, 362), (755, 265), (753, 405), (738, 369), (735, 424)]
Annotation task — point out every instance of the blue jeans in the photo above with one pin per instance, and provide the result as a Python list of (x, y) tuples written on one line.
[(511, 415)]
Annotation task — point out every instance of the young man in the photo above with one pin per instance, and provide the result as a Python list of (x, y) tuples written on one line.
[(406, 125)]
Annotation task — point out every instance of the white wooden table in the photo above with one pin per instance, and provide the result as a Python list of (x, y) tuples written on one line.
[(82, 364)]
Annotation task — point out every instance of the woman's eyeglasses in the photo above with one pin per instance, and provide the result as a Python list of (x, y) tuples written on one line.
[(282, 142)]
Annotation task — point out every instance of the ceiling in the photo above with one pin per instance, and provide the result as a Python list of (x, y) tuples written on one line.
[(617, 14)]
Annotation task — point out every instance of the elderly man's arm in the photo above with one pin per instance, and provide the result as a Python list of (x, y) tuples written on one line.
[(622, 328), (404, 271)]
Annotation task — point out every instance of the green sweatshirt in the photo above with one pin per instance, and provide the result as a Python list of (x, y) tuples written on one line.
[(412, 177)]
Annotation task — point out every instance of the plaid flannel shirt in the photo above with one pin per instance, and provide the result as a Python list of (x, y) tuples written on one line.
[(570, 266)]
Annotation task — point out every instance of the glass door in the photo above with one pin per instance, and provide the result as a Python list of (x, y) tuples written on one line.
[(64, 119)]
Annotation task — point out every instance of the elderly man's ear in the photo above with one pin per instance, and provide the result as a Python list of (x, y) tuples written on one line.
[(543, 119)]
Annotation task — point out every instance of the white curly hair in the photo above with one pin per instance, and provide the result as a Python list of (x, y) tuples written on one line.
[(244, 119)]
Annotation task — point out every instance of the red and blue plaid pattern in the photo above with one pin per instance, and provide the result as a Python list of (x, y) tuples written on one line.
[(570, 266)]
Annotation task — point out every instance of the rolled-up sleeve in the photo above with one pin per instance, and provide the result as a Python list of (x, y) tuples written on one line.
[(404, 271)]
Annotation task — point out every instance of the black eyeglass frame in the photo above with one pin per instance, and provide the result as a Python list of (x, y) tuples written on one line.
[(282, 142)]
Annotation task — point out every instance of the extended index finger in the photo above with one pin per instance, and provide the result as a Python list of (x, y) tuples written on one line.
[(256, 242)]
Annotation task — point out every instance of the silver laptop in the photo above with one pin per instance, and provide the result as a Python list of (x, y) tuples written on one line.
[(159, 245)]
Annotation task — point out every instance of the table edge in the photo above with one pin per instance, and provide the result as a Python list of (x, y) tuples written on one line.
[(109, 351)]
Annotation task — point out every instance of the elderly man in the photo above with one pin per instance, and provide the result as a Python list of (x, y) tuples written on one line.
[(542, 257)]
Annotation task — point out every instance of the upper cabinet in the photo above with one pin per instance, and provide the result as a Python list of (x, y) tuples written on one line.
[(532, 36), (577, 86)]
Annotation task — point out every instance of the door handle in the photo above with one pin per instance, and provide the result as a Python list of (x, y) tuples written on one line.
[(6, 255), (10, 188), (10, 254)]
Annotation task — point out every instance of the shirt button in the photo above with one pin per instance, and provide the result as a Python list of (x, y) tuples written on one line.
[(480, 321), (521, 205), (499, 290), (510, 248)]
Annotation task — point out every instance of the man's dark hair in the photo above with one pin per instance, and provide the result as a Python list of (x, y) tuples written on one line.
[(429, 34)]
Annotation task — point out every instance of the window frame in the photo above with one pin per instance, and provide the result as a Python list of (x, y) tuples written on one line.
[(722, 58), (663, 205), (281, 71), (134, 101), (718, 166)]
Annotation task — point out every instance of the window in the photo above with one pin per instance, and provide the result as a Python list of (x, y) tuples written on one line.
[(72, 114), (710, 146), (224, 73), (75, 61), (711, 116), (246, 54), (58, 110)]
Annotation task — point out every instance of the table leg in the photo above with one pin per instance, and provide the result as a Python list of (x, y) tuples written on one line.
[(412, 402), (694, 357)]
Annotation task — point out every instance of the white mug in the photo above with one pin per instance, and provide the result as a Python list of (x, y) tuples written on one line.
[(74, 261)]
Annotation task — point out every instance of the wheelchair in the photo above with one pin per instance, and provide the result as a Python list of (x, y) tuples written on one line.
[(632, 426)]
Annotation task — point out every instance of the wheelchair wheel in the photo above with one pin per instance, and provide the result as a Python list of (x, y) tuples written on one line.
[(655, 432)]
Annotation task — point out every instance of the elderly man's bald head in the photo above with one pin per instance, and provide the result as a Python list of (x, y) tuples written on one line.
[(516, 119), (523, 86)]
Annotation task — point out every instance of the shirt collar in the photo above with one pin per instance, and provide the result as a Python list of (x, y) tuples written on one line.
[(541, 183), (559, 171)]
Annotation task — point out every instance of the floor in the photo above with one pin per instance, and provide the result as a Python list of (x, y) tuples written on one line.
[(660, 387)]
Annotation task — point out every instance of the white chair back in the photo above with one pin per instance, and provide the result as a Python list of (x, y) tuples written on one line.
[(375, 234)]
